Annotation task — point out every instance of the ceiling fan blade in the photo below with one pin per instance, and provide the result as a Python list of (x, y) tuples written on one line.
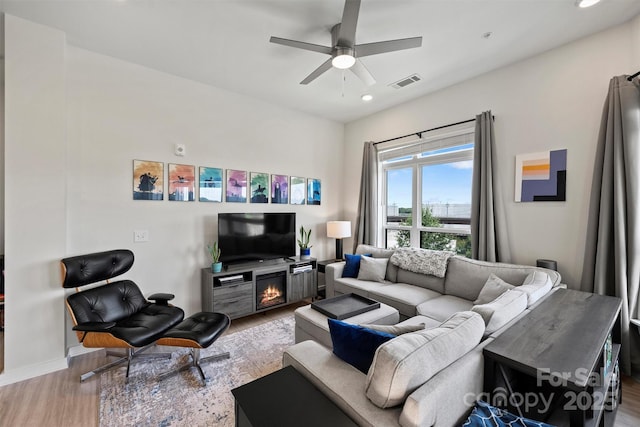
[(369, 49), (301, 45), (317, 72), (363, 74), (347, 33)]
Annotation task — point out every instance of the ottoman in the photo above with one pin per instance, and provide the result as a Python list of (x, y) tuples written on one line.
[(196, 332), (313, 325)]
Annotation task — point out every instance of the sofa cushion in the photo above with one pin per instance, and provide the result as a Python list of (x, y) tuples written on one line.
[(404, 363), (392, 270), (536, 285), (492, 289), (395, 329), (466, 277), (502, 310), (401, 296), (423, 280), (428, 322), (354, 344), (443, 307), (347, 285), (423, 261), (373, 269), (352, 265)]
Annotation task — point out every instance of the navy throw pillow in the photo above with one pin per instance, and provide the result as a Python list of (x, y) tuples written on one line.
[(352, 265), (484, 414), (356, 345)]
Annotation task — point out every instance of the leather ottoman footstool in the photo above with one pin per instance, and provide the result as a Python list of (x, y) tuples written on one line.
[(196, 332), (313, 325)]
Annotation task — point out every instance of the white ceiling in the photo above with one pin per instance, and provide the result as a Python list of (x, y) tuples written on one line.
[(225, 43)]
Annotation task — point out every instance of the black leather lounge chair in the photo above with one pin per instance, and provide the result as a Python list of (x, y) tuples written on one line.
[(116, 314)]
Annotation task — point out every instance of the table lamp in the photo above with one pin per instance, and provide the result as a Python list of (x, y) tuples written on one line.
[(339, 230)]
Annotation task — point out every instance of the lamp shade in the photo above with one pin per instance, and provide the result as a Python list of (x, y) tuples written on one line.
[(339, 229)]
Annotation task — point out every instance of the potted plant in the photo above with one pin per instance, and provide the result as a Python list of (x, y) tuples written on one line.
[(303, 242), (214, 252)]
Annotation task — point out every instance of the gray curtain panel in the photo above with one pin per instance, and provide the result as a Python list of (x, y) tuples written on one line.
[(366, 224), (612, 254), (488, 228)]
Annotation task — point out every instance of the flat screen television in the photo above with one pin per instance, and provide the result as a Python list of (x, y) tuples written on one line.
[(245, 237)]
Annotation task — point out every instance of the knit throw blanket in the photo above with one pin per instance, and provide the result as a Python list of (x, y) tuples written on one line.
[(424, 261)]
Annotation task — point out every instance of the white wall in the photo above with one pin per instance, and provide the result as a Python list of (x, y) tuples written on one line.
[(551, 101), (119, 112), (80, 136), (35, 198)]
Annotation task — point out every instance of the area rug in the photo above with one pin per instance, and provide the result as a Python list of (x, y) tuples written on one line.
[(181, 400)]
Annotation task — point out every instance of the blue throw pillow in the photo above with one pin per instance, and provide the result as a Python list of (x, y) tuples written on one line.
[(354, 344), (484, 415), (352, 266)]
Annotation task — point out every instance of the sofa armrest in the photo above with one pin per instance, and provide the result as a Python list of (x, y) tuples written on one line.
[(340, 382), (331, 272)]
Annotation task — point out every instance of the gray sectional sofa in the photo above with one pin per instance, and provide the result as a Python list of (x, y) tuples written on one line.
[(429, 377)]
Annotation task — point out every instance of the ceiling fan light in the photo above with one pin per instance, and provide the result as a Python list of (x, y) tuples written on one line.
[(586, 3), (344, 59)]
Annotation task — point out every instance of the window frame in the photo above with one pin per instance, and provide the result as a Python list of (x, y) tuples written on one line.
[(416, 162)]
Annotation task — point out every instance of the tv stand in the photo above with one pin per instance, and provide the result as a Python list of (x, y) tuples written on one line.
[(233, 290)]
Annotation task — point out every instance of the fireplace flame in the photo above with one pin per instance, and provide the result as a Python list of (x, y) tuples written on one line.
[(269, 295)]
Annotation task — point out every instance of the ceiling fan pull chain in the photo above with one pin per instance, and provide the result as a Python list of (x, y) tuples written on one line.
[(344, 77)]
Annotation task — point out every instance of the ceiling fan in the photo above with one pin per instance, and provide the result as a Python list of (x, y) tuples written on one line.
[(344, 51)]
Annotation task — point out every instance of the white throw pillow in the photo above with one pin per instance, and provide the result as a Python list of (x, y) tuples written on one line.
[(501, 310), (536, 285), (373, 269), (492, 289)]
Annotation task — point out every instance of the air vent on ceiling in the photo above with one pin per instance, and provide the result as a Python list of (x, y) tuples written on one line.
[(406, 81)]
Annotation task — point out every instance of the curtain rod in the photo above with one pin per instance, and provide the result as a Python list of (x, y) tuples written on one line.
[(419, 134), (633, 75)]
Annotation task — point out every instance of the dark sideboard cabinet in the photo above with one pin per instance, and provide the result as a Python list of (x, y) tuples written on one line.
[(566, 351), (251, 288)]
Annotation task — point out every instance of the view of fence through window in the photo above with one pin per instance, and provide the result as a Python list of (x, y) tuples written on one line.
[(443, 195)]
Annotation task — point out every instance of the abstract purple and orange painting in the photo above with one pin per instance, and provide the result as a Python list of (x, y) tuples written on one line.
[(541, 177)]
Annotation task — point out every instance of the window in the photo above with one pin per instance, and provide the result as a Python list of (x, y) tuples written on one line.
[(426, 188)]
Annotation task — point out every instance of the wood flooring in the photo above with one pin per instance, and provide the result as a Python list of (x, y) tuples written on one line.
[(59, 399)]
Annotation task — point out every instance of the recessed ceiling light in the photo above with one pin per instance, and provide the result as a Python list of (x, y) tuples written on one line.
[(367, 97), (586, 3)]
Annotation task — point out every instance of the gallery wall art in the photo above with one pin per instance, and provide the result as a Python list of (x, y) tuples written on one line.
[(279, 189), (182, 183), (314, 191), (236, 186), (259, 187), (148, 180), (541, 177), (298, 190), (210, 188)]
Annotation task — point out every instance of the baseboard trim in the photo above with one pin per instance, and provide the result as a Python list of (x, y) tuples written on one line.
[(78, 350), (32, 371)]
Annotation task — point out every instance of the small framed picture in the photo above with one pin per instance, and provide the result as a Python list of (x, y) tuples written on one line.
[(210, 188), (259, 187), (279, 189), (236, 186), (148, 180), (298, 190), (182, 183), (314, 191)]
